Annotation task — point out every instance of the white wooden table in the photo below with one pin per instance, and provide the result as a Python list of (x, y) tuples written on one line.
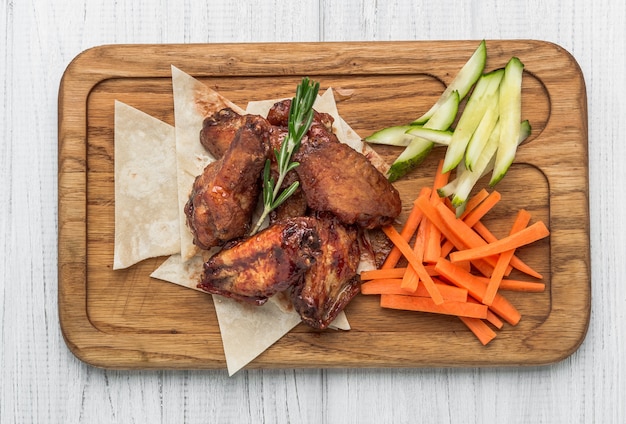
[(41, 381)]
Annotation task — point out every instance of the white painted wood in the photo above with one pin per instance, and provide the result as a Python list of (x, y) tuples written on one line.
[(41, 381)]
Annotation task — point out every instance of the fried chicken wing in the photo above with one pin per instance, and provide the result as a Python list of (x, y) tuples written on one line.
[(267, 263), (279, 115), (218, 131), (331, 282), (224, 196), (336, 178)]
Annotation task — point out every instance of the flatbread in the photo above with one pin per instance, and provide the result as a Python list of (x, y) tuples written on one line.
[(146, 217)]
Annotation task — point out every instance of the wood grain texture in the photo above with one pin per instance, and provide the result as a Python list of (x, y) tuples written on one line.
[(124, 319), (42, 381)]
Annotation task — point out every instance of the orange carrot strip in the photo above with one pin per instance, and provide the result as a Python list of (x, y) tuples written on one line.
[(521, 221), (481, 330), (392, 273), (476, 288), (374, 274), (492, 318), (392, 286), (410, 279), (474, 201), (464, 232), (519, 286), (516, 262), (432, 246), (408, 253), (383, 285), (410, 226), (426, 304), (481, 210), (528, 235), (431, 213)]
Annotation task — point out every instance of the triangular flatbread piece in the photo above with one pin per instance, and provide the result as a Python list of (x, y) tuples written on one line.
[(146, 217)]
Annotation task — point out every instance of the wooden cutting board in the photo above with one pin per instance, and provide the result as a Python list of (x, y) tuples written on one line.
[(125, 319)]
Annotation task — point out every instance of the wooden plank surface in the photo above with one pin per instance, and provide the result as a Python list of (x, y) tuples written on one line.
[(124, 319)]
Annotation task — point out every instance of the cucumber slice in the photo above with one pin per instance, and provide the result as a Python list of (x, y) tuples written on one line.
[(463, 82), (436, 136), (483, 94), (392, 136), (480, 138), (510, 105), (419, 147), (468, 179), (465, 181)]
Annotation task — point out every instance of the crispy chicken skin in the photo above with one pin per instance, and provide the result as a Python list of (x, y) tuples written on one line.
[(337, 179), (218, 131), (331, 282), (267, 263), (224, 196), (279, 115)]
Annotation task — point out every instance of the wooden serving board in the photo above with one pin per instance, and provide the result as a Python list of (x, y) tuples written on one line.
[(125, 319)]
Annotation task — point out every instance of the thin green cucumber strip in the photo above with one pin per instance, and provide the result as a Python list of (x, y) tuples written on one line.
[(441, 137), (481, 136), (462, 82), (412, 156), (475, 108), (510, 105), (465, 182), (468, 179), (392, 136), (419, 148)]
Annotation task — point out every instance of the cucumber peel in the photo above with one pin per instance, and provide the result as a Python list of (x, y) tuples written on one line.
[(462, 82), (419, 148), (510, 105), (461, 187), (391, 136), (441, 137), (483, 94)]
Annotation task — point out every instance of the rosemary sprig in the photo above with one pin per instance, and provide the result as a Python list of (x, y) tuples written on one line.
[(300, 118)]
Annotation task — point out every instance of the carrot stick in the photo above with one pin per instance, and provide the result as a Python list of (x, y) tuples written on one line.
[(432, 245), (519, 286), (481, 210), (431, 213), (480, 329), (417, 265), (409, 228), (464, 232), (410, 280), (426, 304), (516, 262), (528, 235), (393, 286), (521, 221), (374, 274), (472, 203), (476, 288), (492, 318)]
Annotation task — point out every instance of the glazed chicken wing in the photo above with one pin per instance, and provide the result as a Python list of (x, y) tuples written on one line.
[(224, 196), (332, 281), (267, 263), (279, 115), (338, 179), (218, 131)]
